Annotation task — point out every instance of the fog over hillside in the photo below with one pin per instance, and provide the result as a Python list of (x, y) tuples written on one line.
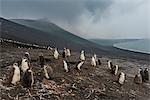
[(87, 18)]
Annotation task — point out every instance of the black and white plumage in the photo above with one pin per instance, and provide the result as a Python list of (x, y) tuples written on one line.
[(93, 61), (56, 54), (110, 65), (114, 69), (27, 55), (28, 78), (79, 65), (65, 66), (14, 74), (99, 62), (142, 73), (95, 56), (49, 48), (121, 78), (48, 72), (64, 53), (68, 53), (146, 75), (24, 64), (138, 78), (82, 56)]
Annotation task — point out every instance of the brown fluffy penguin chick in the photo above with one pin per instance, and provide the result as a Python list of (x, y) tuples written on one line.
[(138, 78), (48, 72), (14, 75), (28, 78)]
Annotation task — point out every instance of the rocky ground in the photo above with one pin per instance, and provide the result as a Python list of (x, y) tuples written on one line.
[(91, 83)]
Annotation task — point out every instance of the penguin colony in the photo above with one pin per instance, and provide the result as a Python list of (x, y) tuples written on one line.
[(27, 79)]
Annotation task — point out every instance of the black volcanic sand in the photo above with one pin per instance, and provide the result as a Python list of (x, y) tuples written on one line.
[(92, 83)]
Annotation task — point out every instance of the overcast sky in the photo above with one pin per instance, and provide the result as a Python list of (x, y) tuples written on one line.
[(87, 18)]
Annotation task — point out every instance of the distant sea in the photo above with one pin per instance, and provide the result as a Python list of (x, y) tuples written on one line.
[(136, 45)]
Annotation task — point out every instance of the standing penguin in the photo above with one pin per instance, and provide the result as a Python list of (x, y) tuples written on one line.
[(138, 78), (142, 74), (42, 60), (48, 72), (68, 53), (110, 65), (65, 66), (79, 65), (28, 79), (14, 74), (56, 54), (24, 64), (82, 56), (99, 62), (93, 62), (146, 75), (64, 53), (115, 69), (121, 78)]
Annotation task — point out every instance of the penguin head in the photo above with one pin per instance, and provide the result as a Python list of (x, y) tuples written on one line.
[(45, 67), (64, 61), (146, 69), (55, 49), (93, 58), (108, 60), (82, 51), (15, 64), (27, 53), (122, 74), (30, 71), (24, 60), (141, 69), (116, 66)]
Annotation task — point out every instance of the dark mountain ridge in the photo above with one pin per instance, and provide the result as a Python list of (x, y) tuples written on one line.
[(15, 31), (46, 33)]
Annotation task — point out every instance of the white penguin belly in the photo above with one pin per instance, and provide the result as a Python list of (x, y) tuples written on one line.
[(121, 79), (46, 74), (82, 57), (24, 67), (56, 55), (16, 76)]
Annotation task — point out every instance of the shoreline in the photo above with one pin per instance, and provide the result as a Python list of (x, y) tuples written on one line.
[(108, 51), (130, 49)]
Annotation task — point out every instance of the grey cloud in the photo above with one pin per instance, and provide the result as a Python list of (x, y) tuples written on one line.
[(86, 18), (93, 5), (68, 10)]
